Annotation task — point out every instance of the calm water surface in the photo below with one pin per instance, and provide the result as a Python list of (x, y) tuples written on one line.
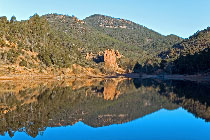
[(109, 109)]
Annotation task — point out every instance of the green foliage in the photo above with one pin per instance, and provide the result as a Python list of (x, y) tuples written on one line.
[(193, 64), (62, 40), (23, 63), (191, 56), (36, 35), (12, 55), (133, 34), (89, 37)]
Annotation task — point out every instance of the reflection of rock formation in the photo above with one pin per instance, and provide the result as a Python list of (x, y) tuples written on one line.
[(110, 89), (66, 103), (61, 105), (27, 92)]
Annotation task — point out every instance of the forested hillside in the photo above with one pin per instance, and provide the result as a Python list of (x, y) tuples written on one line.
[(132, 33), (90, 37), (60, 41), (87, 39), (35, 35), (191, 56)]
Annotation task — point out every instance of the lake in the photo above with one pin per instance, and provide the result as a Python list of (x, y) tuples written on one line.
[(105, 109)]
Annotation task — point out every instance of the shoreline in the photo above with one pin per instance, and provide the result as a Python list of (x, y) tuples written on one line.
[(198, 78)]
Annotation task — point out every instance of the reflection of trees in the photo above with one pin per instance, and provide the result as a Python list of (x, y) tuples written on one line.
[(66, 103), (192, 96), (95, 102)]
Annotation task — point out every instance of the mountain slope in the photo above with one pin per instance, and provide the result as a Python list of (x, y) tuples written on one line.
[(191, 56), (88, 39), (60, 41), (35, 35), (132, 33)]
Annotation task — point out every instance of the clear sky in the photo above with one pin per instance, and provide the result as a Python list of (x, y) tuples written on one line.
[(180, 17)]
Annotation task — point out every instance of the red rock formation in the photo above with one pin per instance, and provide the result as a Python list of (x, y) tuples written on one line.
[(118, 54), (110, 60)]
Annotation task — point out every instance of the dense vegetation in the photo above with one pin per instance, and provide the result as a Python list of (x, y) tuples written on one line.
[(55, 40), (59, 41), (191, 56), (35, 35), (132, 33), (88, 39)]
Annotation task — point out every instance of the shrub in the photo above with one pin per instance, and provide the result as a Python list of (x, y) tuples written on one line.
[(23, 63)]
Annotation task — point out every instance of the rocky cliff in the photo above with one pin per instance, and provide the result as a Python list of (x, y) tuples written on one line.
[(110, 59)]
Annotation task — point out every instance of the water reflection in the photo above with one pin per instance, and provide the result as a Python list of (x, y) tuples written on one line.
[(31, 107)]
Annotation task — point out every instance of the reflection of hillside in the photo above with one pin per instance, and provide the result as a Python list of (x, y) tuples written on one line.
[(14, 92), (31, 107), (26, 92), (194, 97), (81, 83), (61, 104), (194, 106)]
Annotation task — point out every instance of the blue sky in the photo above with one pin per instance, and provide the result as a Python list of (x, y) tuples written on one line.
[(180, 17)]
